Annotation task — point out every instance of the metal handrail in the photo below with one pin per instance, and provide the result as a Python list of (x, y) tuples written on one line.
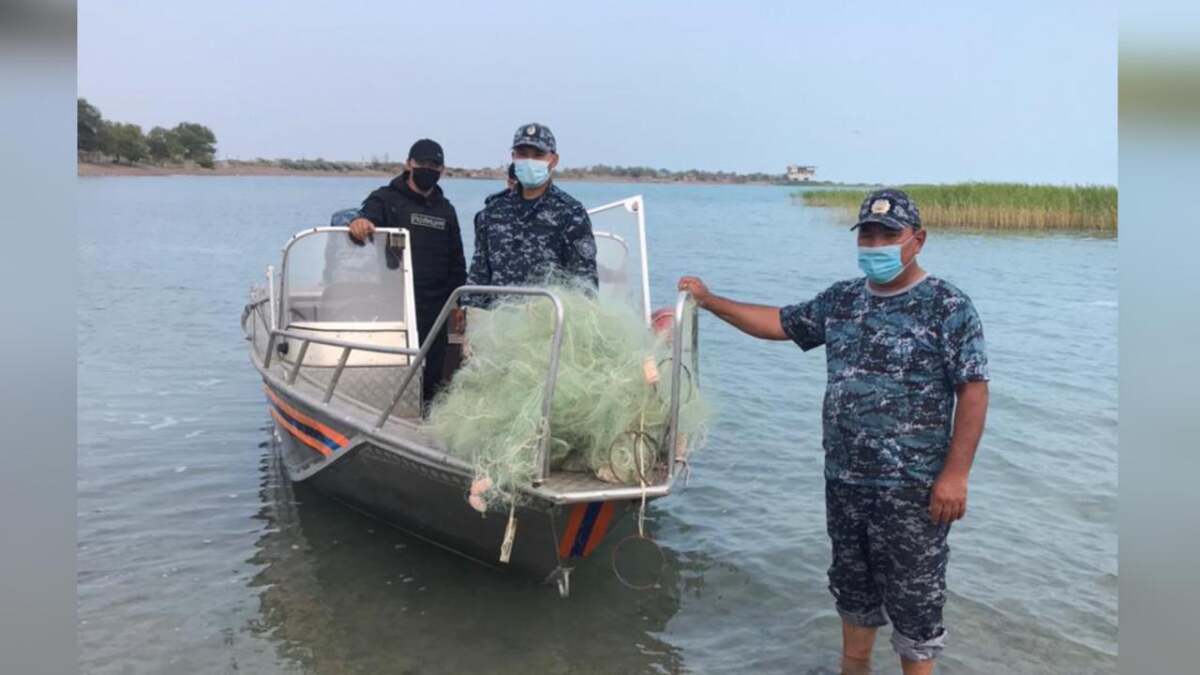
[(282, 304), (336, 342), (684, 305), (683, 302), (257, 309), (635, 204), (543, 458), (271, 297), (346, 345), (253, 308)]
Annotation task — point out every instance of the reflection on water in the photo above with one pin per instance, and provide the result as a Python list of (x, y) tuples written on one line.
[(341, 592)]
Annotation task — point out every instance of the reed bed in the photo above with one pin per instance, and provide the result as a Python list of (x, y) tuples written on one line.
[(1000, 206)]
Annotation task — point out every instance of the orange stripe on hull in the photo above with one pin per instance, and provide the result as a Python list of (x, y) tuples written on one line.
[(330, 433), (600, 528), (568, 538), (300, 436)]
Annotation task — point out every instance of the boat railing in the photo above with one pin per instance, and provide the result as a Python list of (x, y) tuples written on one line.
[(543, 457), (685, 309), (684, 317), (418, 356), (255, 313), (347, 346), (255, 307)]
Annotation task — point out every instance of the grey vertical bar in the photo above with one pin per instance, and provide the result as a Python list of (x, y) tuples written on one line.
[(681, 303), (299, 360), (337, 374)]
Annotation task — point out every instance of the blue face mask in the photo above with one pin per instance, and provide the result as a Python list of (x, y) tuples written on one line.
[(882, 264), (532, 172)]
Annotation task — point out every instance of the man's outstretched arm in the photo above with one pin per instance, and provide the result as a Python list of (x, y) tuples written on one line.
[(760, 321)]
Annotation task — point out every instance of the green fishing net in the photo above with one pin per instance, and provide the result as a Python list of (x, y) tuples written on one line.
[(609, 415)]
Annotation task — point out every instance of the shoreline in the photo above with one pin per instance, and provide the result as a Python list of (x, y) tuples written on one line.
[(964, 206), (102, 169), (246, 169)]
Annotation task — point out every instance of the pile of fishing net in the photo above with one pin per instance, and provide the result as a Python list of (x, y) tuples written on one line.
[(611, 398)]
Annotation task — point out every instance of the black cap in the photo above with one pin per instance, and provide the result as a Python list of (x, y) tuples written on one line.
[(892, 208), (426, 150)]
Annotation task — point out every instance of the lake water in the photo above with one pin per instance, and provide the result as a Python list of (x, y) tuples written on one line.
[(196, 555)]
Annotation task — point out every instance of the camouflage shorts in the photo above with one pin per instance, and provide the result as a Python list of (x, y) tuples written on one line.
[(889, 555)]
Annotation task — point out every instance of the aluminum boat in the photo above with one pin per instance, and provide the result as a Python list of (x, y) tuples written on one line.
[(333, 336)]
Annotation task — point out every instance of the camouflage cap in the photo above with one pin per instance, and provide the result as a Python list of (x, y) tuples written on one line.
[(536, 135), (893, 209)]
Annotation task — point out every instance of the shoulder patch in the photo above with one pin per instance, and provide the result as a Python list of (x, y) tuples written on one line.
[(586, 247)]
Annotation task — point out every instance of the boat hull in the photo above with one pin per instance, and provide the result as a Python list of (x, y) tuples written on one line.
[(430, 502)]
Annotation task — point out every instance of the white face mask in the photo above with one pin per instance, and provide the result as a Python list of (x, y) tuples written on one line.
[(532, 172)]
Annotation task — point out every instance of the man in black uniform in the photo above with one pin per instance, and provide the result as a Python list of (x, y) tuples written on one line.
[(414, 201)]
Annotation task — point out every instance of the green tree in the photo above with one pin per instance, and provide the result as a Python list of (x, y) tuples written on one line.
[(88, 124), (198, 141), (107, 138), (132, 142), (164, 145), (119, 140)]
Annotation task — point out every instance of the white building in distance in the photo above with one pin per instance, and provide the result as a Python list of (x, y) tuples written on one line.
[(800, 174)]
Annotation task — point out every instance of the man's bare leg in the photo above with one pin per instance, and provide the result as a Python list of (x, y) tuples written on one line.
[(857, 642), (916, 667)]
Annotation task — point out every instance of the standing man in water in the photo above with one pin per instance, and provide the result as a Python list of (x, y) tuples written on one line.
[(904, 410), (535, 232), (414, 201)]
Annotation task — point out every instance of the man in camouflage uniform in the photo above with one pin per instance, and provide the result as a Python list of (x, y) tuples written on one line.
[(534, 233), (903, 413)]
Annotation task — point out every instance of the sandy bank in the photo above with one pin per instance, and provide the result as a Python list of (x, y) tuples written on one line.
[(253, 169)]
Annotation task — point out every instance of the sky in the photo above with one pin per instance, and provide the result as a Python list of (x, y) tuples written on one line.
[(888, 92)]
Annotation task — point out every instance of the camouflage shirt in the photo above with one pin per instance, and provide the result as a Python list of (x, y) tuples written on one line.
[(521, 242), (893, 365)]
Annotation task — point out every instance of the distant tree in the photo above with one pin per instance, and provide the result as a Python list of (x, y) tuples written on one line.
[(107, 138), (198, 141), (163, 145), (132, 142), (119, 140), (88, 123)]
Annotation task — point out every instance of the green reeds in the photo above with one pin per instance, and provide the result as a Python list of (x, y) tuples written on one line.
[(1007, 206)]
